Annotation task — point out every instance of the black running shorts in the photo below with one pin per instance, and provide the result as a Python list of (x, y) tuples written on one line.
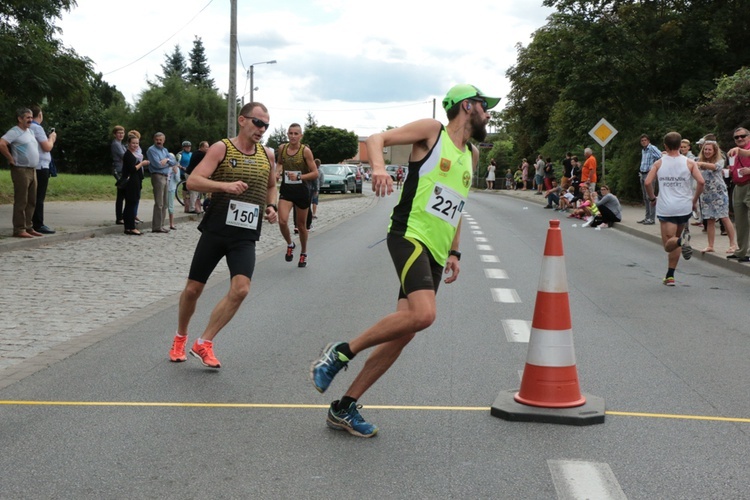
[(240, 255), (416, 268), (299, 195)]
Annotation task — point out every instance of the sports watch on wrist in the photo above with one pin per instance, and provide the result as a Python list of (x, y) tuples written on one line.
[(455, 253)]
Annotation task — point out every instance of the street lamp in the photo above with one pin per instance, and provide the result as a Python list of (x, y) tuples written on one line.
[(250, 75)]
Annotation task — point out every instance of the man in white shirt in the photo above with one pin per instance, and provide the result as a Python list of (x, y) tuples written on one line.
[(20, 148)]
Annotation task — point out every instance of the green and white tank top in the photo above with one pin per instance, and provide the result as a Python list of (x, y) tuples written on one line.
[(433, 197)]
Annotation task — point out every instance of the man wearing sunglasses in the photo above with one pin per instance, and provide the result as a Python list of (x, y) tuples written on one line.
[(423, 240), (739, 165), (240, 174)]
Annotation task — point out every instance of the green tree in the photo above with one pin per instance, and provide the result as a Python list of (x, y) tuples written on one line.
[(174, 65), (277, 138), (199, 72), (330, 144), (728, 105), (181, 112), (34, 66), (645, 66), (310, 121)]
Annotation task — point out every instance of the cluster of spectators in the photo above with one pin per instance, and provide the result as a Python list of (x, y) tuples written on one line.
[(165, 169)]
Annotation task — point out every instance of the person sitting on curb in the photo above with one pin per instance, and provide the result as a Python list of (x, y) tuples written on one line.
[(609, 208), (566, 200), (553, 195)]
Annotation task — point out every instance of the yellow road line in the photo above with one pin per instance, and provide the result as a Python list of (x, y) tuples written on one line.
[(679, 417), (372, 407)]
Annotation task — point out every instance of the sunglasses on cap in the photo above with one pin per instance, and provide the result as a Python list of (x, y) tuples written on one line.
[(739, 136), (258, 122), (484, 104)]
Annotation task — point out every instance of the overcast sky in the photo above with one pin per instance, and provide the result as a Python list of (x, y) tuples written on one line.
[(351, 64)]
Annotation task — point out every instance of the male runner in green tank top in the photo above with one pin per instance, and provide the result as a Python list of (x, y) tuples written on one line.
[(423, 240)]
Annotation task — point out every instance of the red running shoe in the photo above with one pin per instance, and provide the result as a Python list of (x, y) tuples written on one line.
[(177, 353), (205, 352)]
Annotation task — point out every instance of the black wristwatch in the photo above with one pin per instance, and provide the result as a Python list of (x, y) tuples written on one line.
[(274, 207), (455, 253)]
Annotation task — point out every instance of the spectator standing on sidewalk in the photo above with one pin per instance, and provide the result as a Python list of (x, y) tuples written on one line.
[(183, 159), (588, 171), (173, 178), (714, 200), (649, 155), (117, 149), (423, 240), (42, 170), (676, 200), (20, 148), (539, 174), (315, 194), (491, 168), (159, 165), (132, 170), (525, 174), (239, 172), (194, 203), (739, 165), (567, 170)]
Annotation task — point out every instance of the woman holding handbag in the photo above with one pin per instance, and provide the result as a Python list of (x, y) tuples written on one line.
[(130, 182)]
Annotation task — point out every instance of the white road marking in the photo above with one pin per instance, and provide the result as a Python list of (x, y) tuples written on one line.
[(480, 239), (484, 248), (477, 232), (517, 330), (489, 258), (496, 274), (505, 295), (577, 480)]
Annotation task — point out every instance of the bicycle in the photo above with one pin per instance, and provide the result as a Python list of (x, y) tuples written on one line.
[(181, 194)]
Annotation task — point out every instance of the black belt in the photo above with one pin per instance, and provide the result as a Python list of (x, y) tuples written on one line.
[(159, 173)]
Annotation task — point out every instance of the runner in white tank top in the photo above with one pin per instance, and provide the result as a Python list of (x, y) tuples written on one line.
[(676, 200), (675, 190)]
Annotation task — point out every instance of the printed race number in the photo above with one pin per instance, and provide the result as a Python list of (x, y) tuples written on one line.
[(244, 215), (292, 177), (446, 204)]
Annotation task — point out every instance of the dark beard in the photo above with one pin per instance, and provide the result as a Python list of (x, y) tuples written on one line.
[(478, 128)]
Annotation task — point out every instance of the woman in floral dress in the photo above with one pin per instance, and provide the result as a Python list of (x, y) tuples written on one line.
[(715, 199)]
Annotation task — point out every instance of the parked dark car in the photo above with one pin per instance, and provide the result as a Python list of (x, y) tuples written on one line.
[(337, 178), (357, 178)]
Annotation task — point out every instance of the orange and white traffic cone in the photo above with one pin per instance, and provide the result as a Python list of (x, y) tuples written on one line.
[(549, 387)]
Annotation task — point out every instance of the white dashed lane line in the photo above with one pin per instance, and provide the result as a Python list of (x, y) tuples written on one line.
[(517, 330), (495, 274), (505, 295), (576, 480), (573, 479)]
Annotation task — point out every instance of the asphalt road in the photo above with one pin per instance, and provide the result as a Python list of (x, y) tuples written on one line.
[(118, 420)]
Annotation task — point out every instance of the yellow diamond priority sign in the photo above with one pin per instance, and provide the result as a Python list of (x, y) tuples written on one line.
[(603, 132)]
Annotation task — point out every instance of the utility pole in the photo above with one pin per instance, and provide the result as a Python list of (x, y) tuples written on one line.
[(232, 94)]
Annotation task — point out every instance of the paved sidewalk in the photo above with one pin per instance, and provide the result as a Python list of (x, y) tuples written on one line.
[(72, 286)]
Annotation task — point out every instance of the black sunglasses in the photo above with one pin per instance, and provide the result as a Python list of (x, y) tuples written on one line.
[(258, 122), (740, 136), (484, 104)]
